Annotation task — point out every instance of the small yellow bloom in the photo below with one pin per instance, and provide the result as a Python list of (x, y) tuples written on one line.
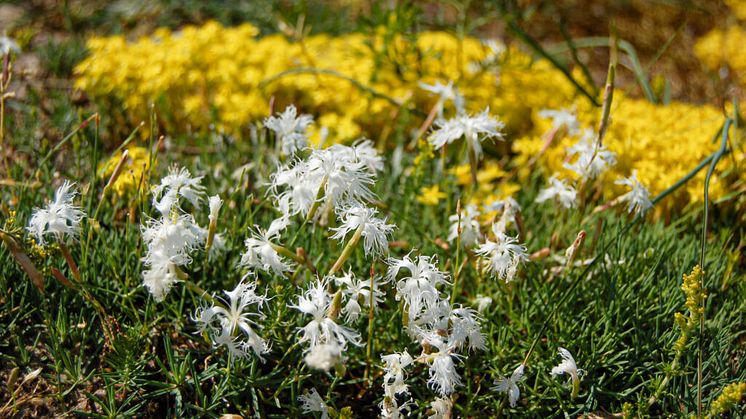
[(431, 195)]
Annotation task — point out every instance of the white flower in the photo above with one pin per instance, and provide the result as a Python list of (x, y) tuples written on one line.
[(443, 375), (567, 366), (290, 129), (510, 385), (60, 217), (355, 292), (469, 226), (418, 288), (474, 128), (312, 402), (562, 118), (564, 194), (375, 231), (393, 379), (215, 203), (361, 151), (445, 93), (465, 326), (340, 173), (232, 316), (322, 329), (483, 303), (7, 45), (503, 255), (592, 160), (261, 254), (324, 356), (178, 182), (169, 242), (441, 408), (638, 198), (509, 208)]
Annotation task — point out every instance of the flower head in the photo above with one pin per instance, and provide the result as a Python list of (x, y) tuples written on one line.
[(312, 402), (356, 292), (170, 242), (510, 385), (375, 231), (592, 159), (503, 255), (638, 198), (178, 183), (230, 317), (474, 128), (418, 288), (469, 225), (261, 253), (445, 93), (8, 45), (215, 203), (568, 366), (559, 190), (59, 218), (322, 329), (562, 118), (290, 129)]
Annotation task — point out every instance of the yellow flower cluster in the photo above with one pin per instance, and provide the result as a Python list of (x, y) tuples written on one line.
[(134, 171), (663, 143), (729, 398), (356, 84), (723, 47), (695, 300), (352, 84)]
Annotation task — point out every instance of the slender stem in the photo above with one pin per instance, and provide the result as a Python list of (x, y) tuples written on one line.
[(317, 201), (347, 251), (70, 261), (371, 320), (716, 158)]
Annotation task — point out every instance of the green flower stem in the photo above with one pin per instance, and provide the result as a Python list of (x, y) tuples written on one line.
[(317, 201), (347, 251)]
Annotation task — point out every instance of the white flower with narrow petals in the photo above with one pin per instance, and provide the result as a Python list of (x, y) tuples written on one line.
[(375, 231), (592, 159), (290, 129), (474, 128), (483, 303), (503, 255), (562, 118), (510, 385), (232, 323), (418, 288), (322, 329), (356, 294), (60, 218), (441, 408), (443, 375), (465, 327), (638, 198), (312, 402), (446, 93), (469, 226), (559, 190), (569, 367), (170, 242), (261, 254), (178, 183)]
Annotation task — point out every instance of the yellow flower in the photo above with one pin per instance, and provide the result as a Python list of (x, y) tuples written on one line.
[(431, 195), (729, 398)]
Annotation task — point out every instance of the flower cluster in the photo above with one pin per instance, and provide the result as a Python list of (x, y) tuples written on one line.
[(172, 237)]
